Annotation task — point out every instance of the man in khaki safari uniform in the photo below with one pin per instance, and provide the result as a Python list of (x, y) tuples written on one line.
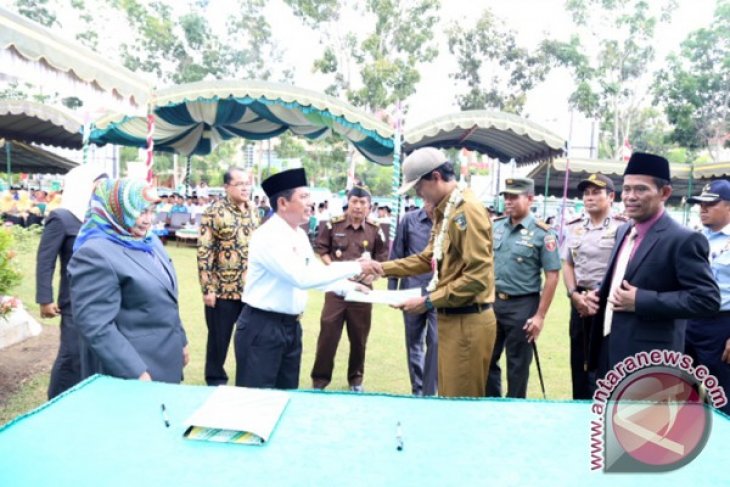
[(462, 289)]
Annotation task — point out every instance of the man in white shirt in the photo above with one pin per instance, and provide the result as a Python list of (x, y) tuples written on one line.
[(281, 267)]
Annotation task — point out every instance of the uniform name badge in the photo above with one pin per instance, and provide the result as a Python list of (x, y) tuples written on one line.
[(365, 253)]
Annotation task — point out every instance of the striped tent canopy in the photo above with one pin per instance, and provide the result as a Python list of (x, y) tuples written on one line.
[(194, 118), (34, 53), (685, 177), (34, 160), (502, 136), (28, 121)]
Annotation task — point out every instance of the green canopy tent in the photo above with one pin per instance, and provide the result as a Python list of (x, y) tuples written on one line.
[(23, 122), (192, 119), (34, 53), (502, 136), (26, 158), (28, 121), (686, 178)]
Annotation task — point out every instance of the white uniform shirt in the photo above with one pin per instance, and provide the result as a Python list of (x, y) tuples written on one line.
[(282, 265)]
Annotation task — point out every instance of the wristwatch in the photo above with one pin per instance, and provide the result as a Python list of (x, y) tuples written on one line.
[(428, 303), (571, 291)]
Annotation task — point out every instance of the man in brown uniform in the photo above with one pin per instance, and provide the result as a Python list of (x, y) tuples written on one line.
[(347, 237), (462, 290)]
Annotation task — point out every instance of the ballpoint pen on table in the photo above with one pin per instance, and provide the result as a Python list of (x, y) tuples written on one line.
[(163, 410)]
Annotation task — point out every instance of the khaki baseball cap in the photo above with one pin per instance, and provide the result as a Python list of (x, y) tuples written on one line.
[(419, 163), (518, 186)]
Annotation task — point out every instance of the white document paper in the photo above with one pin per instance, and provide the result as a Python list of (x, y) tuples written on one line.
[(237, 415), (393, 298)]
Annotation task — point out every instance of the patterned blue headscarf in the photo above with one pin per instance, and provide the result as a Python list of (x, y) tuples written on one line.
[(113, 211)]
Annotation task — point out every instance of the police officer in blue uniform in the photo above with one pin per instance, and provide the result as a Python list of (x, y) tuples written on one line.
[(523, 246), (708, 340)]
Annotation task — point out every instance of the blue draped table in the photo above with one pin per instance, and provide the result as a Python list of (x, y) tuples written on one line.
[(110, 432)]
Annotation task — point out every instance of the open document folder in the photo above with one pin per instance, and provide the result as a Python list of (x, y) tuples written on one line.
[(394, 298), (237, 415)]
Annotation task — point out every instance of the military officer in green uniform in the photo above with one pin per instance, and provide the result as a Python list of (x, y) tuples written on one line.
[(523, 246), (585, 252), (345, 238)]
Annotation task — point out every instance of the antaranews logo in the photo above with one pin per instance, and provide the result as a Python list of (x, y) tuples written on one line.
[(653, 409)]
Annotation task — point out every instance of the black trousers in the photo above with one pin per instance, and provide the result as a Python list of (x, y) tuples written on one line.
[(220, 321), (66, 371), (268, 349), (705, 343), (584, 382), (512, 315)]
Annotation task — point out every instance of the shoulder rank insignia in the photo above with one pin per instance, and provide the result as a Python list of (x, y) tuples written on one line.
[(329, 225), (575, 220), (337, 219), (542, 225), (500, 218), (371, 221)]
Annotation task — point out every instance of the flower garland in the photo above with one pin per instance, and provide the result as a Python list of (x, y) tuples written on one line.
[(457, 196)]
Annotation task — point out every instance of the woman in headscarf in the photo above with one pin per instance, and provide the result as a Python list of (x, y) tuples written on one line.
[(124, 290), (59, 233)]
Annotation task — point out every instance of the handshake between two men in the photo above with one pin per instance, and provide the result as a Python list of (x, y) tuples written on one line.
[(371, 270)]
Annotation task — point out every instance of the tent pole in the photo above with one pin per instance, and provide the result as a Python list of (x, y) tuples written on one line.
[(496, 192), (687, 206), (547, 187), (569, 151), (187, 176), (395, 215), (8, 162)]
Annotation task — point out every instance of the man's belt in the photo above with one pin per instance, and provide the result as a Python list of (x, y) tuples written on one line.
[(465, 310), (283, 317), (507, 297)]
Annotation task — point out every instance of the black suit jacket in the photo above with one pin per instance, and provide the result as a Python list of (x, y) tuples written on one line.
[(672, 273), (57, 242)]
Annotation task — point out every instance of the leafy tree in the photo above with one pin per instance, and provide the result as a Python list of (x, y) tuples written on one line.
[(497, 71), (695, 86), (376, 69), (608, 84), (37, 11)]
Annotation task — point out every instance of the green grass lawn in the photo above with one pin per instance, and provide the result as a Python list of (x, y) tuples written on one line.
[(385, 368)]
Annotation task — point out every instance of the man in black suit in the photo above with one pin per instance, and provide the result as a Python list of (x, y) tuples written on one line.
[(57, 242), (658, 274)]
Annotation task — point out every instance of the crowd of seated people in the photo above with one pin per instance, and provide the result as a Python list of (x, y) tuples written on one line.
[(26, 208)]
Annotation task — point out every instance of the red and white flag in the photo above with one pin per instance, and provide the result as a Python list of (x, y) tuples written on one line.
[(626, 150)]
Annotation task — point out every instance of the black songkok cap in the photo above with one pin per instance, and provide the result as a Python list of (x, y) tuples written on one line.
[(644, 164), (359, 192), (290, 179)]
